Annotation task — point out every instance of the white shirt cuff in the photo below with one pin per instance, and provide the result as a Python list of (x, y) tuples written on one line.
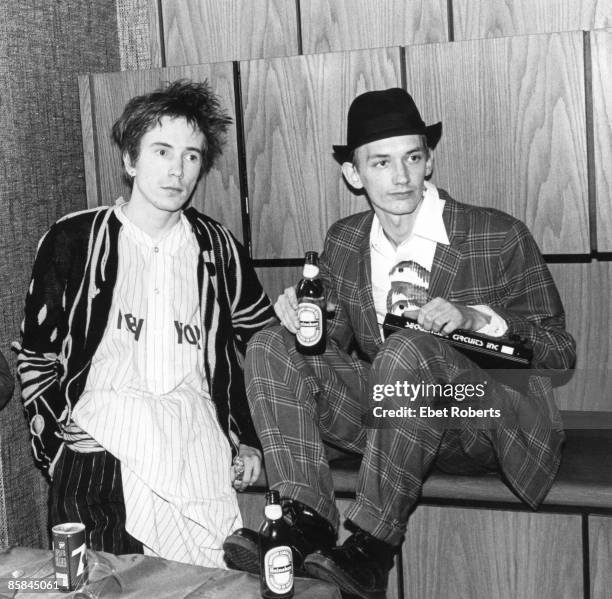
[(496, 327)]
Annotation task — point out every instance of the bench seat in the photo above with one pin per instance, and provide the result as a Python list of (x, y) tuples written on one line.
[(583, 484)]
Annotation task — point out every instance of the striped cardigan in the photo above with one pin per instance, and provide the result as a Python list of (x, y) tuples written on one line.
[(67, 307)]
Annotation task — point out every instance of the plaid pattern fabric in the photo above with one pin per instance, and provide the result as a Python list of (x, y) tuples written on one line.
[(492, 259), (298, 401)]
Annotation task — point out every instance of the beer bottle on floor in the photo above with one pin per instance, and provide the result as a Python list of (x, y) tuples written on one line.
[(275, 557), (310, 337)]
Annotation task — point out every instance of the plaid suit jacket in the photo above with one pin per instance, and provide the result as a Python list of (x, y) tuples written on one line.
[(492, 259)]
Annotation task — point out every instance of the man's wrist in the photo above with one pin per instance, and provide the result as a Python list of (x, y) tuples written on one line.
[(495, 325)]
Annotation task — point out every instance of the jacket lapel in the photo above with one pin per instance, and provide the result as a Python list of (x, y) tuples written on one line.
[(366, 297), (447, 258)]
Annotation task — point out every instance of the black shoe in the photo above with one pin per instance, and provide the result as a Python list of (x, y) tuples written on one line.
[(360, 566), (242, 550), (308, 533)]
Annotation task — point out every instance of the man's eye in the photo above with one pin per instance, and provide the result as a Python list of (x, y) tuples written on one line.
[(381, 163), (415, 157), (162, 151), (193, 157)]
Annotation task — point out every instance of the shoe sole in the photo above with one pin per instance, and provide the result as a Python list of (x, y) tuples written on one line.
[(325, 569), (242, 555)]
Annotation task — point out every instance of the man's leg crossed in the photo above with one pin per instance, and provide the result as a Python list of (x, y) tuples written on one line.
[(298, 402)]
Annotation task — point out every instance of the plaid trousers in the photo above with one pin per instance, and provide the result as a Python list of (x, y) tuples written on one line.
[(299, 402)]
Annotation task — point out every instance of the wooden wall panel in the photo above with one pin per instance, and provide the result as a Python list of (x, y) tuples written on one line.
[(490, 553), (585, 291), (275, 279), (332, 25), (601, 53), (498, 18), (89, 141), (294, 110), (203, 31), (218, 194), (513, 112), (600, 548)]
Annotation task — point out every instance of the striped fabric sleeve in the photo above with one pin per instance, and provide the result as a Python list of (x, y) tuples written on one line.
[(532, 306), (251, 306), (38, 366)]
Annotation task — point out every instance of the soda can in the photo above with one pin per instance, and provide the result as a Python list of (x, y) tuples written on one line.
[(69, 555)]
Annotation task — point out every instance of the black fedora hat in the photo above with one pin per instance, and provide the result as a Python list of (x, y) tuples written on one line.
[(381, 114)]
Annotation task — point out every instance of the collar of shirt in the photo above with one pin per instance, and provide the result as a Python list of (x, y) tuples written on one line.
[(171, 243), (428, 224)]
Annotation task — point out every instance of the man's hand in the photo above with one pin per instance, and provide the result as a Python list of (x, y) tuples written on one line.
[(441, 316), (286, 309), (251, 459)]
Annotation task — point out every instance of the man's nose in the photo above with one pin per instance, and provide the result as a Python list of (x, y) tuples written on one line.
[(401, 173), (176, 168)]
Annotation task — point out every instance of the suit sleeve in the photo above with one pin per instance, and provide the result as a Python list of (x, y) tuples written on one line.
[(338, 326), (531, 305), (38, 365)]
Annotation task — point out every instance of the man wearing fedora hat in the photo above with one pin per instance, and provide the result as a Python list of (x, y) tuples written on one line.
[(450, 266)]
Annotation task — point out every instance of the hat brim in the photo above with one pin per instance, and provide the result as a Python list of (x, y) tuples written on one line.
[(433, 133)]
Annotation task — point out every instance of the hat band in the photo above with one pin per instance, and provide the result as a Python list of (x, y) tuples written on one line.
[(386, 125)]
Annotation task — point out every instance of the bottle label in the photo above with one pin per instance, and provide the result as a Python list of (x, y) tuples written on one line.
[(311, 319), (278, 569), (310, 271)]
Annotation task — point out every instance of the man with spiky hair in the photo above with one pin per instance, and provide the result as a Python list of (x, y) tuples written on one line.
[(135, 321)]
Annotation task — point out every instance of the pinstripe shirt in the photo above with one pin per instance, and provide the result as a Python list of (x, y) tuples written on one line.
[(68, 305), (147, 402)]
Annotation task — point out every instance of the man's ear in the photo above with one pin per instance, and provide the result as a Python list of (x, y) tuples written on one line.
[(127, 163), (349, 170), (429, 164)]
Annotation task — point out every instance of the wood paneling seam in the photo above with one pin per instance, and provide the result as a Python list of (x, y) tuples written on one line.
[(586, 569), (161, 33), (403, 76), (590, 139), (94, 136), (298, 19), (242, 163)]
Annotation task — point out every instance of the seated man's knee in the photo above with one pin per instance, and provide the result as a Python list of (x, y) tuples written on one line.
[(270, 337), (269, 341)]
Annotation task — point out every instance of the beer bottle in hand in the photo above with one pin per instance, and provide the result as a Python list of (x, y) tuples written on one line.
[(275, 557), (310, 337)]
